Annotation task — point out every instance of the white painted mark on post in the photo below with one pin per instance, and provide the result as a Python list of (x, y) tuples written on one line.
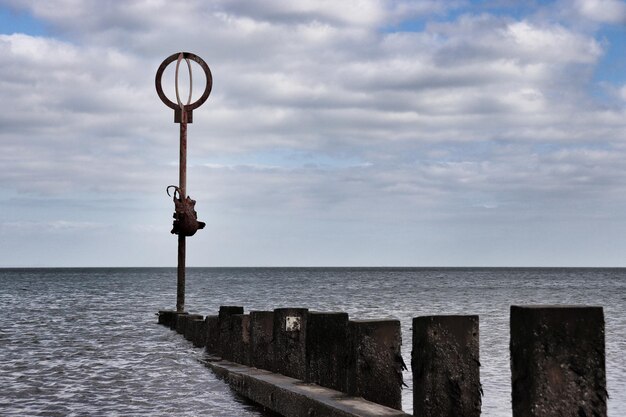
[(292, 324)]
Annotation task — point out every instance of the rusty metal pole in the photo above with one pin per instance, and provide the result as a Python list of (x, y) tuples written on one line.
[(182, 171), (182, 189), (186, 220)]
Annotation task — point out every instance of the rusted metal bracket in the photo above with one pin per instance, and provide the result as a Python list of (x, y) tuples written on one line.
[(185, 217)]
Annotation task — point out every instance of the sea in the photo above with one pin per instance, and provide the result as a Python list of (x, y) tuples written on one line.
[(84, 342)]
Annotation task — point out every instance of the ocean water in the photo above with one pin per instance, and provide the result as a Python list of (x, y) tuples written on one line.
[(77, 342)]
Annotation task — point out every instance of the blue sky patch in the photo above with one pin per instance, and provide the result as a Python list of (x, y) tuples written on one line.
[(12, 21), (612, 66)]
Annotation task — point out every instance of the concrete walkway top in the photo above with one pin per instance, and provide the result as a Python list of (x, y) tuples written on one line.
[(291, 397)]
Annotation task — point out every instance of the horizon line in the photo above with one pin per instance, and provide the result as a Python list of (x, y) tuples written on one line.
[(313, 267)]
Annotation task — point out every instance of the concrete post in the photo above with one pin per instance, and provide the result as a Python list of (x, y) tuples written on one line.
[(188, 327), (198, 336), (240, 338), (175, 317), (558, 361), (290, 342), (375, 363), (261, 336), (180, 323), (166, 317), (446, 367), (184, 321), (225, 342), (327, 349), (212, 328)]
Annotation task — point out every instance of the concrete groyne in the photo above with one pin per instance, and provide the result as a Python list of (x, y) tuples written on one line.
[(297, 362)]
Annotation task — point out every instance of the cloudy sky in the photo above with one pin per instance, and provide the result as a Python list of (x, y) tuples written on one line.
[(353, 132)]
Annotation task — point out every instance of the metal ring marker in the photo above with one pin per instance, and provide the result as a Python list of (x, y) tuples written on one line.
[(185, 217), (179, 106)]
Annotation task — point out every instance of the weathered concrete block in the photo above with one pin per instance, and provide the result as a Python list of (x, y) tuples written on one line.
[(183, 322), (175, 318), (225, 342), (446, 367), (229, 310), (212, 337), (261, 336), (199, 333), (166, 317), (240, 338), (327, 349), (180, 321), (195, 330), (290, 342), (188, 327), (375, 363), (558, 361)]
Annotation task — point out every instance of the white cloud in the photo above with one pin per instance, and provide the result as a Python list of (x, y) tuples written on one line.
[(602, 11), (483, 110), (552, 44), (359, 12), (57, 226), (622, 92)]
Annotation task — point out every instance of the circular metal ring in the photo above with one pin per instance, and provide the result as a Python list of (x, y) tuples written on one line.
[(207, 72), (180, 103)]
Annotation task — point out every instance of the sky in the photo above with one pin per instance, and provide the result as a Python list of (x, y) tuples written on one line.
[(337, 133)]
